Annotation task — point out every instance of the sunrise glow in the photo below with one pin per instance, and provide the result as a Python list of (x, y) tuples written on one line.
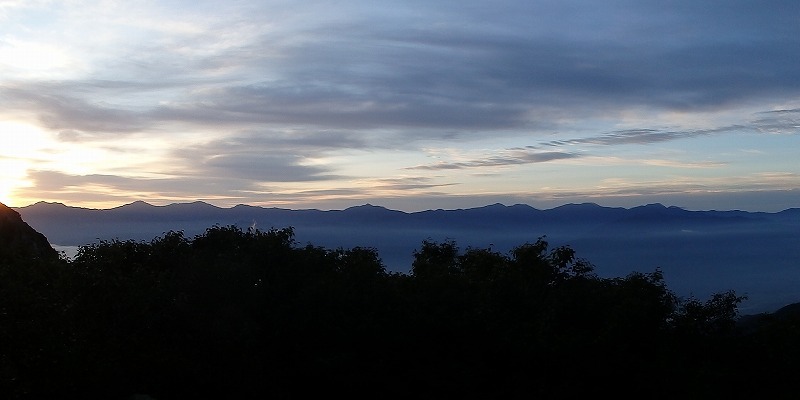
[(408, 106)]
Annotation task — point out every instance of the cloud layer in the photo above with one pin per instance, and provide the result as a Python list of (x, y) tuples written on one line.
[(316, 104)]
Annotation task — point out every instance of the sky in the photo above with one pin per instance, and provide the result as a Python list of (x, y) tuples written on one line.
[(411, 105)]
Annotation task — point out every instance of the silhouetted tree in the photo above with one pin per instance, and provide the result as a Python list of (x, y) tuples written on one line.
[(249, 314)]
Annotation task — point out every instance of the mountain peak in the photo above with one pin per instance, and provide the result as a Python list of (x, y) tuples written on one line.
[(366, 206), (199, 204), (48, 203), (138, 204), (577, 205), (652, 206)]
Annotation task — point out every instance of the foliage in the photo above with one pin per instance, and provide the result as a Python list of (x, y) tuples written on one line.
[(250, 313)]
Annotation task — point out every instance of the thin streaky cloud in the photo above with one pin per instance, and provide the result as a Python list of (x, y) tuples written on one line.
[(498, 161)]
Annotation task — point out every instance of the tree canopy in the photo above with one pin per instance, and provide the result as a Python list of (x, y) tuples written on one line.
[(251, 313)]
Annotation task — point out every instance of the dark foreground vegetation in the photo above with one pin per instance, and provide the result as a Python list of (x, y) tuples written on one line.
[(252, 314)]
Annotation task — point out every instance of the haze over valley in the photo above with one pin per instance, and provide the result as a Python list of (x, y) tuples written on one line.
[(700, 252)]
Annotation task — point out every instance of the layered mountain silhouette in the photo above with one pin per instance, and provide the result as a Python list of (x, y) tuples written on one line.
[(18, 240), (701, 252)]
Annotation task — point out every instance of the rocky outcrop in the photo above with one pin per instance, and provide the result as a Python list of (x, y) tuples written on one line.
[(18, 240)]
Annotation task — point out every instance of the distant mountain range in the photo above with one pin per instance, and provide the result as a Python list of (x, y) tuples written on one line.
[(701, 252)]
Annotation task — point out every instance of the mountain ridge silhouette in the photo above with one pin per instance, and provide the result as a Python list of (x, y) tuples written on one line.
[(700, 252)]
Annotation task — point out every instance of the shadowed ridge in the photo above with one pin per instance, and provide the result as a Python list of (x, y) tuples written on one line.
[(788, 311), (372, 209), (369, 213), (19, 240)]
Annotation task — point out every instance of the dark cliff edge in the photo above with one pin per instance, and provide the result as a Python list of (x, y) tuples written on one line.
[(20, 240)]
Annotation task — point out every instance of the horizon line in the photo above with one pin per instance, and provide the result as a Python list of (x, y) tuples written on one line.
[(368, 204)]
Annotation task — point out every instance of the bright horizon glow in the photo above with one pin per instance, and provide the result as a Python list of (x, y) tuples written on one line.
[(23, 144), (407, 106)]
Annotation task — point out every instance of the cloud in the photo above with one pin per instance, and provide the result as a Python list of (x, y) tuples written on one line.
[(310, 142), (629, 64), (58, 111), (517, 158), (407, 183), (104, 188), (778, 121), (263, 168), (629, 136), (474, 68), (262, 157), (325, 105)]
